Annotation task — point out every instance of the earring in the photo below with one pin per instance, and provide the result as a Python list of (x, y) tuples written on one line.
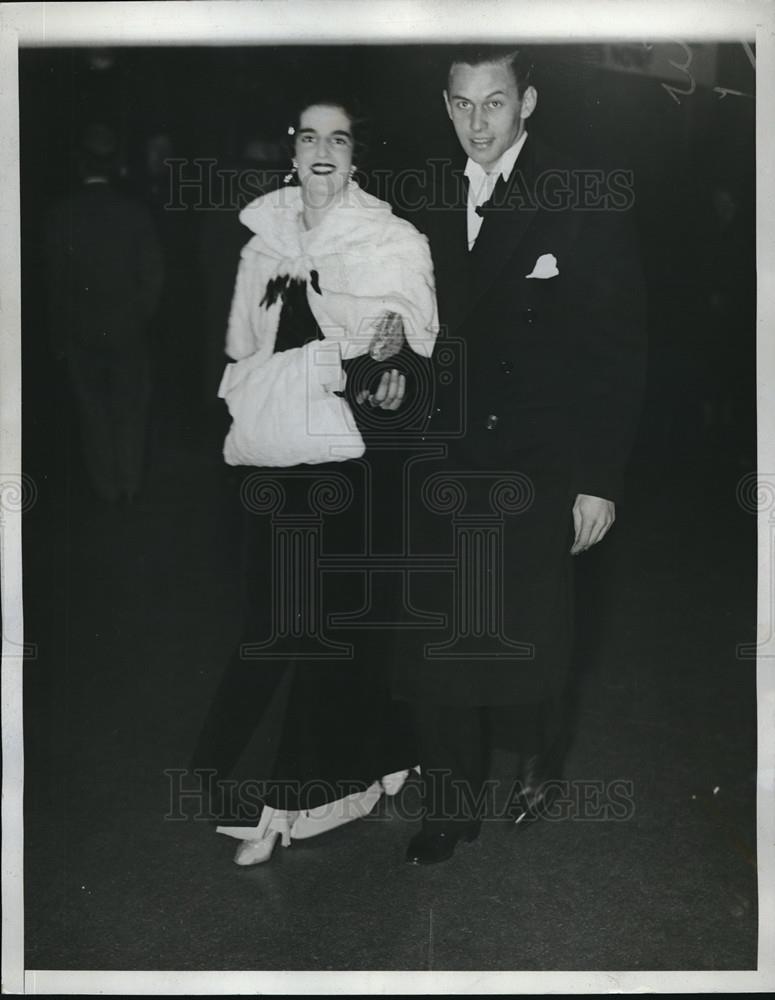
[(289, 177)]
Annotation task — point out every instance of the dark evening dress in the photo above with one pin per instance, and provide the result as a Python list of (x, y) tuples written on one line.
[(302, 721)]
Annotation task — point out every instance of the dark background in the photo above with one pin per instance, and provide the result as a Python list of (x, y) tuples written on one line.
[(132, 612), (208, 103)]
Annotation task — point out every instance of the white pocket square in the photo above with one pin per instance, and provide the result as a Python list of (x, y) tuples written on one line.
[(544, 267)]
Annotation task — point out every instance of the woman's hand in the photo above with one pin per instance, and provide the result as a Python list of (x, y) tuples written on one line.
[(389, 394), (389, 337)]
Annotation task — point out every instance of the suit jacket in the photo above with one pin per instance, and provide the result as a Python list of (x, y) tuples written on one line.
[(544, 362), (537, 376)]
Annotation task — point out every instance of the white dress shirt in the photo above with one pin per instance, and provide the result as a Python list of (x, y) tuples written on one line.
[(481, 184)]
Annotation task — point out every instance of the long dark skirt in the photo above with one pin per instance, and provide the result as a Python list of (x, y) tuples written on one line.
[(303, 713)]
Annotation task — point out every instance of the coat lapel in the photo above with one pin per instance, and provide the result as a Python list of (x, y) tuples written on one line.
[(507, 217), (450, 249)]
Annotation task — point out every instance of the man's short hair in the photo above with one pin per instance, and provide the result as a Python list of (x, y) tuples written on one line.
[(518, 60)]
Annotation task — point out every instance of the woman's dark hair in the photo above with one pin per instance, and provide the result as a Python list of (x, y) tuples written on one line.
[(358, 119), (518, 60)]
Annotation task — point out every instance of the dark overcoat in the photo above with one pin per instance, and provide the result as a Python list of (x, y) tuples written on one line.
[(540, 372)]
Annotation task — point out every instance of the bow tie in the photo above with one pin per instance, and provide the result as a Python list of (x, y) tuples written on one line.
[(495, 200)]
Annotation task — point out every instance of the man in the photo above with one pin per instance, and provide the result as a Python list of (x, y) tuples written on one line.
[(538, 279), (105, 270)]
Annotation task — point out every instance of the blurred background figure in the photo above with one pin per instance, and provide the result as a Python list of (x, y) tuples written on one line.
[(727, 308), (158, 150), (105, 274)]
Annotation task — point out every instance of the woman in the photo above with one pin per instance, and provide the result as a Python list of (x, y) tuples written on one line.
[(334, 308)]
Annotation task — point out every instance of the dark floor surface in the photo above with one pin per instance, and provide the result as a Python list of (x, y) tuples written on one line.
[(133, 612)]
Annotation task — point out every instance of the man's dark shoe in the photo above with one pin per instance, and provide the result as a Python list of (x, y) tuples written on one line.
[(437, 843), (539, 787)]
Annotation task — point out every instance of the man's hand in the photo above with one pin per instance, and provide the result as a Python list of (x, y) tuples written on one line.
[(592, 518), (389, 394)]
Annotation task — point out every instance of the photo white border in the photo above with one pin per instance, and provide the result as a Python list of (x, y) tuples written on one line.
[(246, 22)]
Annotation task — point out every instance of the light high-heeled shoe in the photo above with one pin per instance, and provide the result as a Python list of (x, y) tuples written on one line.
[(256, 852), (393, 783)]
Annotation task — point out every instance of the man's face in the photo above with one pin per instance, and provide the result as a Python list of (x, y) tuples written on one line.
[(485, 109)]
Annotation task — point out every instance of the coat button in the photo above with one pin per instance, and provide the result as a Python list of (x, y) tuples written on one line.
[(492, 421), (507, 367), (530, 315)]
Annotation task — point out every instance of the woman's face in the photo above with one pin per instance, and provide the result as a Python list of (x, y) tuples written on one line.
[(324, 151)]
